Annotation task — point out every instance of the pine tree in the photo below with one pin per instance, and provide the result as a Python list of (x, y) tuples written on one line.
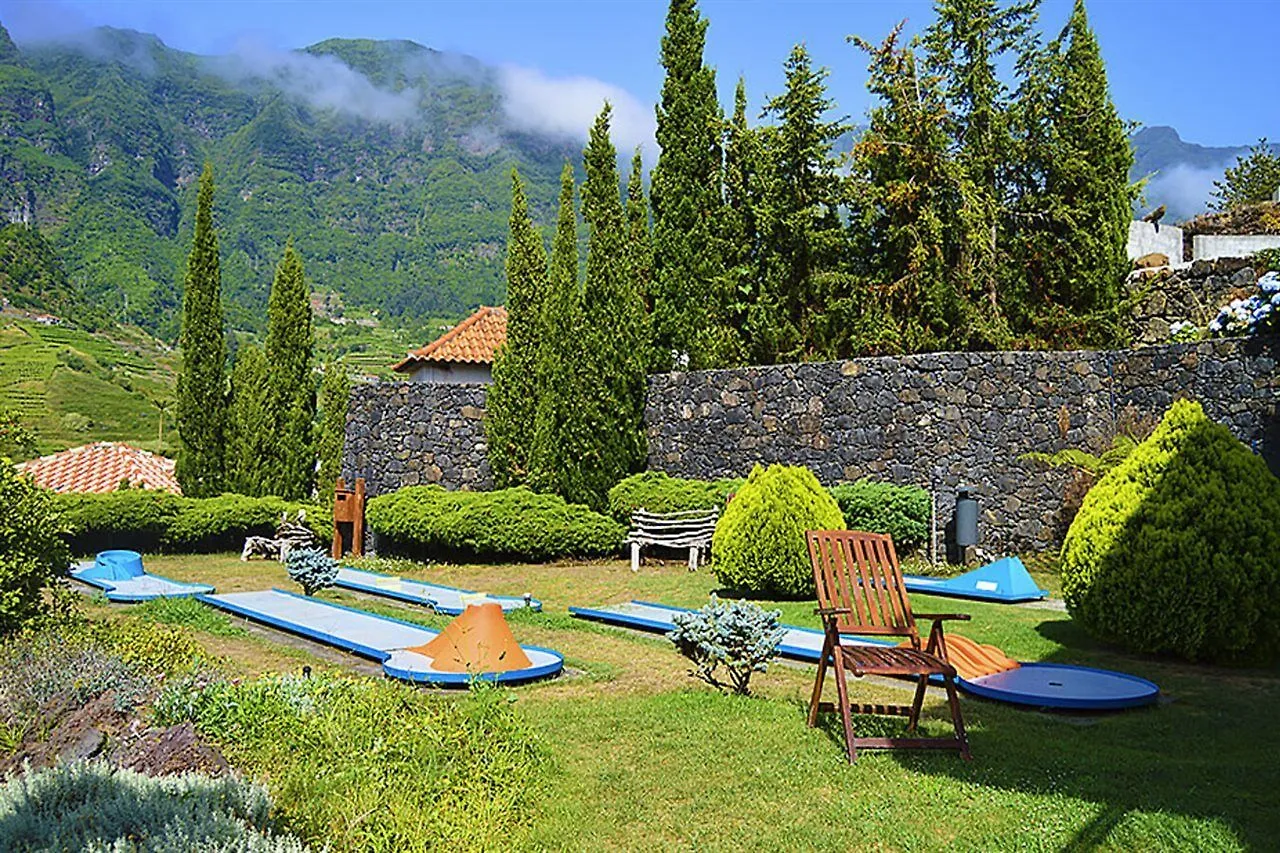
[(564, 448), (290, 354), (801, 229), (335, 394), (614, 316), (251, 428), (1252, 179), (512, 401), (689, 300), (202, 391)]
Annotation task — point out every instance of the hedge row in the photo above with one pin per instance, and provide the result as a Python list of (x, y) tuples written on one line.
[(901, 511), (151, 521), (509, 524)]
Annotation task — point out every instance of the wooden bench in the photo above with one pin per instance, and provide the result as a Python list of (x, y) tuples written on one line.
[(690, 529)]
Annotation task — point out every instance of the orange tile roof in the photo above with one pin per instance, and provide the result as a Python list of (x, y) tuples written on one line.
[(101, 467), (474, 340)]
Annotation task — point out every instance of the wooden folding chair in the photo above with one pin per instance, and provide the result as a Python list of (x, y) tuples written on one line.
[(860, 591)]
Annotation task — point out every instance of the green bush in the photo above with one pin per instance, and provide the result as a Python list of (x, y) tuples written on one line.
[(31, 554), (1177, 549), (360, 764), (91, 806), (658, 492), (904, 512), (739, 634), (151, 521), (759, 544), (311, 568), (509, 524)]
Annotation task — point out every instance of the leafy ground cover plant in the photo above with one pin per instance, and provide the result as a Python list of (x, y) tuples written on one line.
[(759, 543), (311, 568), (740, 636)]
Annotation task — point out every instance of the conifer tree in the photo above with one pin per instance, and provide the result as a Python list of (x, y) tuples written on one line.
[(614, 314), (202, 392), (290, 353), (564, 448), (1252, 179), (251, 427), (739, 238), (640, 252), (512, 401), (689, 298), (335, 394)]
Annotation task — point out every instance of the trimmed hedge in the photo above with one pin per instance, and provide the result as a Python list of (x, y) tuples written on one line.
[(759, 543), (508, 524), (1177, 549), (901, 511), (658, 492), (151, 521)]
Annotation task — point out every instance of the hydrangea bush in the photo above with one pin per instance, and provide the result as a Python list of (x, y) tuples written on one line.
[(739, 635), (1257, 315)]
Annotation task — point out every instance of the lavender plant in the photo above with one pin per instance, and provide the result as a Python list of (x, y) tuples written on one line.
[(740, 636)]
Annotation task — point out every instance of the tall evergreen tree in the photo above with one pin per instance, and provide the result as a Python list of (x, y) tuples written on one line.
[(689, 299), (739, 236), (614, 315), (564, 447), (202, 392), (335, 394), (290, 355), (640, 252), (251, 441), (512, 401), (802, 235)]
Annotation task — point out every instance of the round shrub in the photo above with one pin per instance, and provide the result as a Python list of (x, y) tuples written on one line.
[(759, 543), (658, 492), (1177, 549), (31, 554), (901, 511)]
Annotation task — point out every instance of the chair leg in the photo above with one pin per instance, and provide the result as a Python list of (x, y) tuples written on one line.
[(915, 705), (846, 713), (956, 719), (817, 687)]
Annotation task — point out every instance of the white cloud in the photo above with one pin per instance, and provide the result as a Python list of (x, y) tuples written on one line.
[(565, 107), (323, 82), (1186, 190)]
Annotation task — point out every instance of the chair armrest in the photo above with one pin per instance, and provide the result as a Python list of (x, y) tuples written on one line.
[(831, 611), (937, 617)]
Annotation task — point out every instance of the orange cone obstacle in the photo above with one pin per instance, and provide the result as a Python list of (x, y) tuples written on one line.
[(974, 660), (478, 641)]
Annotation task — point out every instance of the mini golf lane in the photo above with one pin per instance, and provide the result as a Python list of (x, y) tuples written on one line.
[(1036, 685), (443, 599), (379, 638), (119, 574)]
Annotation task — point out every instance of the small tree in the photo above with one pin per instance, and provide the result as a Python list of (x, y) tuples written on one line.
[(741, 636), (32, 554), (335, 391), (1253, 178), (15, 438), (311, 568)]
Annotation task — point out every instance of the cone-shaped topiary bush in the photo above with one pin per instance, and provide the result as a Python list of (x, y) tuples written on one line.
[(1177, 549), (759, 543)]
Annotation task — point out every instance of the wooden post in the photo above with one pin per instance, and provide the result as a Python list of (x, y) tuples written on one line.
[(348, 509)]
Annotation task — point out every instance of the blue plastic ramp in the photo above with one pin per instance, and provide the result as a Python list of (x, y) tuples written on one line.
[(443, 599), (803, 644), (378, 638), (121, 576), (1005, 580)]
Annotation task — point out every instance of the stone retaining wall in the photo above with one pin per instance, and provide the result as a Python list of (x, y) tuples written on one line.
[(1192, 293)]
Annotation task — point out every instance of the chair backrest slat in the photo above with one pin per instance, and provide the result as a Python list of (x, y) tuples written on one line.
[(859, 572)]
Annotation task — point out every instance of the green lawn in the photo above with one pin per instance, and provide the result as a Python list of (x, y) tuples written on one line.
[(642, 756)]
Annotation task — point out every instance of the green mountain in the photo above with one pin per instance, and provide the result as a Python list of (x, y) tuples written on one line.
[(387, 162)]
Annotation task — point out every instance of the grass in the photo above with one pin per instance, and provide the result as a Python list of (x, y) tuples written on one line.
[(640, 756)]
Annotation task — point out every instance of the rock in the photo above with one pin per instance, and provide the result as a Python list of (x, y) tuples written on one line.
[(1153, 259)]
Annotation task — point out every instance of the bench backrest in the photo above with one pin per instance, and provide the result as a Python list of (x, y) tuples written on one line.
[(674, 525)]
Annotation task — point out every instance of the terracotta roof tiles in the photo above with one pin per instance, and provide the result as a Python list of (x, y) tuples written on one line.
[(101, 467), (474, 340)]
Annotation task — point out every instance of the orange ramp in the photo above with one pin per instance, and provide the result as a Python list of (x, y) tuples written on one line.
[(477, 641)]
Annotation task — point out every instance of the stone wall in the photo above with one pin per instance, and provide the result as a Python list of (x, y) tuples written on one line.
[(1192, 293), (409, 433), (946, 419)]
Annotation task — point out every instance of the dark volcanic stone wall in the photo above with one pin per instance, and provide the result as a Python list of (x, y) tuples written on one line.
[(945, 419), (411, 433)]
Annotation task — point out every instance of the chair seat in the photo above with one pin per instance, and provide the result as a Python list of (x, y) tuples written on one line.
[(882, 660)]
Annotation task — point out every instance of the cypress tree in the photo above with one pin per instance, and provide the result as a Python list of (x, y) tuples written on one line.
[(251, 428), (335, 393), (290, 352), (689, 299), (640, 253), (202, 392), (739, 239), (614, 315), (564, 447), (512, 401)]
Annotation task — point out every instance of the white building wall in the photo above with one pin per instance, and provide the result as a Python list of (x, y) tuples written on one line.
[(442, 373)]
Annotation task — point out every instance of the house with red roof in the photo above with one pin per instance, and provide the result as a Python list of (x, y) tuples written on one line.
[(102, 467), (462, 355)]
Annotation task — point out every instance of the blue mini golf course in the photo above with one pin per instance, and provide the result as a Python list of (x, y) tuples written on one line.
[(1036, 685), (442, 599), (378, 638), (121, 576), (1005, 580)]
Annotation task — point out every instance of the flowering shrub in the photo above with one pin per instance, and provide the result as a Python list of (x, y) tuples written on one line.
[(312, 568), (1183, 332), (740, 635), (1253, 316)]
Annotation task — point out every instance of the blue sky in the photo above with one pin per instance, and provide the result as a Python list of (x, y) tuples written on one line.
[(1206, 67)]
